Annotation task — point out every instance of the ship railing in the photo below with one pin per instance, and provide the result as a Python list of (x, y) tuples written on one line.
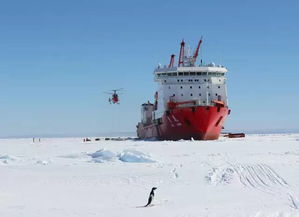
[(192, 103), (172, 105)]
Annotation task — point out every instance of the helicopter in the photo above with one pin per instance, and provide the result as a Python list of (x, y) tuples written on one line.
[(114, 96)]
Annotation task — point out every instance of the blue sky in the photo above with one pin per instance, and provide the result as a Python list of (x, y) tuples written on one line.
[(57, 57)]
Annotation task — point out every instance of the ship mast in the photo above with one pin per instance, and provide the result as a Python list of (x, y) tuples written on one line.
[(171, 61), (188, 60), (182, 51), (197, 51)]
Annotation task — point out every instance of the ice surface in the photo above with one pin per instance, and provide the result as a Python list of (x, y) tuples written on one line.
[(133, 156), (129, 156), (7, 159), (42, 162), (74, 155), (220, 175), (255, 176), (103, 155)]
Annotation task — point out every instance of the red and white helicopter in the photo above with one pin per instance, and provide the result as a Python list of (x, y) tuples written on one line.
[(114, 96)]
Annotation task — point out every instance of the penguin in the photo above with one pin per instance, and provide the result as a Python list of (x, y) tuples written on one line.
[(151, 197)]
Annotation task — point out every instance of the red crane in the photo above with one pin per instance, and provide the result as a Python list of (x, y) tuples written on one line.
[(182, 51), (171, 61), (197, 50)]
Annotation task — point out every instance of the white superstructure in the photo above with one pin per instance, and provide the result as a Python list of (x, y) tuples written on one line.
[(203, 84)]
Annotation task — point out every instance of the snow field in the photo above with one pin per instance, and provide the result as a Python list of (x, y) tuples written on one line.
[(255, 176)]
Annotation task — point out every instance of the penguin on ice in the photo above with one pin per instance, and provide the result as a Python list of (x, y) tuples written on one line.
[(151, 197)]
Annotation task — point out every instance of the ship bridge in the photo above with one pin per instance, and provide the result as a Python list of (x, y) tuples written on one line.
[(203, 70)]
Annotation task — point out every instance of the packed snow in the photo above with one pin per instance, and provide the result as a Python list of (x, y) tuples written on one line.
[(134, 156), (255, 176), (102, 155)]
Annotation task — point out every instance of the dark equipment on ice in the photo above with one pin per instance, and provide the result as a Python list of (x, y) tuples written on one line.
[(235, 135), (151, 197)]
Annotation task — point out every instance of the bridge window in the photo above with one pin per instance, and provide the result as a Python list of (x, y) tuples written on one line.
[(198, 73), (181, 87), (182, 94), (216, 94), (181, 73), (190, 87), (178, 80), (192, 73), (191, 94), (198, 87), (186, 73), (199, 94), (168, 87), (218, 86)]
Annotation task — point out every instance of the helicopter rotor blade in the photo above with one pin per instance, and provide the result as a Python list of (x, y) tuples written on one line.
[(120, 89)]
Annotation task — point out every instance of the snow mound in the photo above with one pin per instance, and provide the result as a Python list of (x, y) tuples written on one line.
[(42, 162), (222, 176), (7, 158), (130, 156), (133, 156), (102, 156)]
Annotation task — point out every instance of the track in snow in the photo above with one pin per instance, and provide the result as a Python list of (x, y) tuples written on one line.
[(258, 176)]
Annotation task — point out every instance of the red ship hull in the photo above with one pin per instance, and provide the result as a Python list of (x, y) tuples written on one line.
[(197, 122)]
